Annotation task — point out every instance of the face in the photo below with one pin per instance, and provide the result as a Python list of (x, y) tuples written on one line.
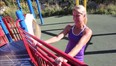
[(78, 17)]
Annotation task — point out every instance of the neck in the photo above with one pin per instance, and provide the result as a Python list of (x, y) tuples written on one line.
[(79, 26)]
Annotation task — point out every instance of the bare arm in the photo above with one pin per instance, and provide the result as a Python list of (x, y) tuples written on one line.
[(59, 36), (85, 38)]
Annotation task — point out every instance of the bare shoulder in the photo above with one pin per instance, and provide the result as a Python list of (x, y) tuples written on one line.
[(68, 27), (88, 31)]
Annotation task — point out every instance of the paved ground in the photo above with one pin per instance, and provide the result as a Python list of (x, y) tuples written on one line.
[(101, 50), (14, 54)]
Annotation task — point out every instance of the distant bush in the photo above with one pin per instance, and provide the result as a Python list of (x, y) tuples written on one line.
[(107, 9), (10, 12), (51, 10), (111, 9), (55, 10), (103, 9), (58, 8)]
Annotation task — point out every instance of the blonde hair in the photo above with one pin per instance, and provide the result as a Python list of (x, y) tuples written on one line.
[(82, 10)]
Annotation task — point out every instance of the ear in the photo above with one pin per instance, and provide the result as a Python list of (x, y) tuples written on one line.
[(84, 15)]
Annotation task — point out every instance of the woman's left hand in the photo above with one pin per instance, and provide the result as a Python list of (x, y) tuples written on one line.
[(59, 60)]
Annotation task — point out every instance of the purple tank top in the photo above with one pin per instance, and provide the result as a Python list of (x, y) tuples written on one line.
[(73, 40)]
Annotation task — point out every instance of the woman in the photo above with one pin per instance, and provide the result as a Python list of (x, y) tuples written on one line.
[(78, 34)]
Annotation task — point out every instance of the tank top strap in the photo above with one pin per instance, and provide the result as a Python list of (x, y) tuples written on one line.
[(72, 27), (80, 31), (83, 28)]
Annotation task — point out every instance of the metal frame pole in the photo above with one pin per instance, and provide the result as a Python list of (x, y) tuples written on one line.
[(39, 10), (5, 30), (77, 2), (85, 3), (30, 7), (20, 16)]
